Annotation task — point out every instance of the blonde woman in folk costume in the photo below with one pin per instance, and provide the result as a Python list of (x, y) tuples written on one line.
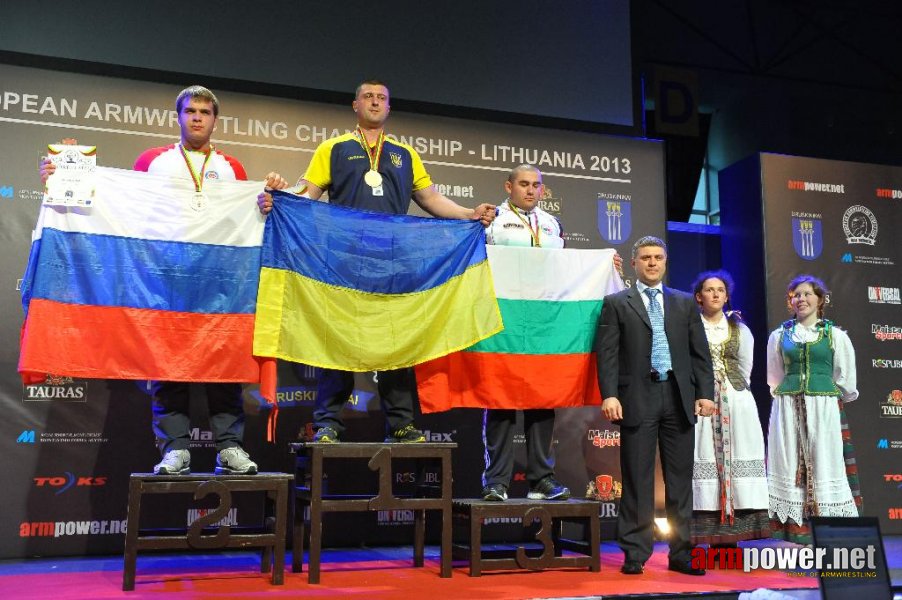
[(729, 485), (811, 373)]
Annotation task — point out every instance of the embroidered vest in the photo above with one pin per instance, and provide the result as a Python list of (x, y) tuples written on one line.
[(808, 366), (731, 357)]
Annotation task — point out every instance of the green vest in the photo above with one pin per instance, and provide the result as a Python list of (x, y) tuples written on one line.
[(808, 367)]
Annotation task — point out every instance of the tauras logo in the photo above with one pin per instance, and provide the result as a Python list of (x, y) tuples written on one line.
[(891, 407), (886, 333), (550, 205), (54, 387)]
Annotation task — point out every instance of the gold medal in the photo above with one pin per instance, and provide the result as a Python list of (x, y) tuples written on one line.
[(373, 178)]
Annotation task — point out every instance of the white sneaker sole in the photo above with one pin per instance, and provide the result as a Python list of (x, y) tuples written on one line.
[(228, 471), (541, 496), (184, 471)]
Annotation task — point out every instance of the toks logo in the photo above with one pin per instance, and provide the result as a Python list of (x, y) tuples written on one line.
[(64, 483)]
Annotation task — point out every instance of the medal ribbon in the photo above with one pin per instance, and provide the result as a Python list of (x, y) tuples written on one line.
[(198, 179), (373, 155), (533, 234)]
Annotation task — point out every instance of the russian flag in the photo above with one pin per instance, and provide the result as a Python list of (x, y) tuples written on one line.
[(550, 301), (366, 291), (145, 284)]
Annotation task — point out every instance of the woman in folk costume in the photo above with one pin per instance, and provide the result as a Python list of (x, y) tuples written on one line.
[(811, 373), (729, 486)]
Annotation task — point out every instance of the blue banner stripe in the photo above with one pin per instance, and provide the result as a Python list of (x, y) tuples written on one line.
[(104, 270), (367, 251)]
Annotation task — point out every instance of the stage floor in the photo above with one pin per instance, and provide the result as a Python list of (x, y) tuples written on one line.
[(386, 573)]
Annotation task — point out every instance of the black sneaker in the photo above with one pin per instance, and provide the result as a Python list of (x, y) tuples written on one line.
[(549, 488), (325, 435), (406, 435), (497, 492)]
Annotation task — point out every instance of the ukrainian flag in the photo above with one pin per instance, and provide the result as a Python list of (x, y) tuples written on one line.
[(364, 291)]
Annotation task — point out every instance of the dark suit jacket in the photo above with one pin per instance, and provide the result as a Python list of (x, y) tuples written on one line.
[(624, 351)]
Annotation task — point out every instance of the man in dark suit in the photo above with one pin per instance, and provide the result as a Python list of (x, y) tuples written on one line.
[(655, 376)]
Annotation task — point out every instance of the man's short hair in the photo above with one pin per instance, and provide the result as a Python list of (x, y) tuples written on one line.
[(196, 91), (524, 167), (369, 82), (648, 240)]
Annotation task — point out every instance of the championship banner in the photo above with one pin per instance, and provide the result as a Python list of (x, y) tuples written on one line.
[(550, 302), (364, 291), (146, 283)]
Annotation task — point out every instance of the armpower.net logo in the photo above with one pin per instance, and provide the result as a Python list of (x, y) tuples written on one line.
[(836, 562)]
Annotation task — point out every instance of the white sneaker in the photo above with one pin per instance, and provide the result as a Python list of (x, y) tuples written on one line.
[(234, 461), (175, 462)]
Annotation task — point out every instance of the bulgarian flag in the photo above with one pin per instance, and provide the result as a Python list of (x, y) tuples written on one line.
[(550, 303)]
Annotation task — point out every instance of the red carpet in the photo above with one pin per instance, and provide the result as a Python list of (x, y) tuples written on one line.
[(383, 579)]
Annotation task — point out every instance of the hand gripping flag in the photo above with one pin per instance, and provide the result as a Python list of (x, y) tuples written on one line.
[(147, 283), (365, 291), (550, 301)]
